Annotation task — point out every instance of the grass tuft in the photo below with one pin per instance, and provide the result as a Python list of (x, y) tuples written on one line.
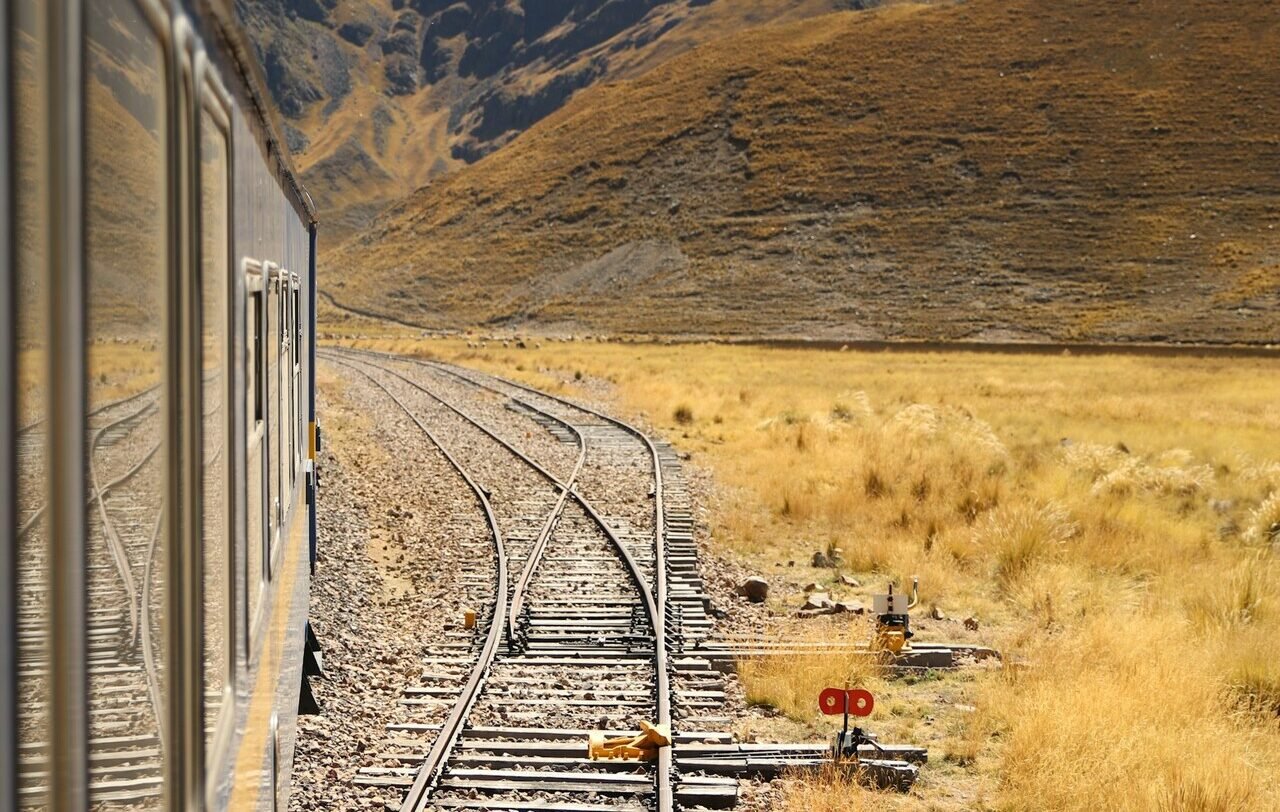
[(1264, 521), (1019, 538)]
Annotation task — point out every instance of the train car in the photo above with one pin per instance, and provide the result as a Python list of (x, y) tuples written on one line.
[(157, 477)]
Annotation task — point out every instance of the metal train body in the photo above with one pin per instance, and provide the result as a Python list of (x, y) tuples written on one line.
[(156, 379)]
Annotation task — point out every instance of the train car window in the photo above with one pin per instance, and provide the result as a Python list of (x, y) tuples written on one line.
[(295, 432), (273, 412), (297, 331), (258, 376), (126, 217), (254, 515), (31, 590), (215, 282), (286, 392)]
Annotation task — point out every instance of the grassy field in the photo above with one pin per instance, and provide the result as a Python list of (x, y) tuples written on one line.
[(1112, 523)]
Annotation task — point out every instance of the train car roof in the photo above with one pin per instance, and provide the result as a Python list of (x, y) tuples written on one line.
[(222, 14)]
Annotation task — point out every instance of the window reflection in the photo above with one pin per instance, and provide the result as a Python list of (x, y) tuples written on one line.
[(124, 165), (216, 540), (31, 443)]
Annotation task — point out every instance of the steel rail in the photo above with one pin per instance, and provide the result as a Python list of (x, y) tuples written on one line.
[(39, 421), (94, 445), (655, 608), (115, 546), (665, 764), (111, 404), (636, 573), (451, 729), (544, 534)]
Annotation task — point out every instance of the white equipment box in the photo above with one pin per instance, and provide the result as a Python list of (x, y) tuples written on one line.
[(889, 604)]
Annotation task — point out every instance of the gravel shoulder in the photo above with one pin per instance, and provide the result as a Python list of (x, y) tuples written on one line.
[(397, 529)]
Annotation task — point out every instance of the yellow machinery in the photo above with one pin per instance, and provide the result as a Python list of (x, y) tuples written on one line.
[(893, 619), (630, 748)]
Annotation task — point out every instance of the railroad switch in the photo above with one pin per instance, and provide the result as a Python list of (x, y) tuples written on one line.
[(893, 619), (630, 748), (856, 701), (846, 749)]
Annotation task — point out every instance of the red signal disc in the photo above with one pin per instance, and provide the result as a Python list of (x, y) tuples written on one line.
[(831, 701), (861, 702)]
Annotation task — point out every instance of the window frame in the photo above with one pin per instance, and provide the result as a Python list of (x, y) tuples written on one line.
[(214, 100), (275, 504), (8, 425), (257, 541), (71, 788)]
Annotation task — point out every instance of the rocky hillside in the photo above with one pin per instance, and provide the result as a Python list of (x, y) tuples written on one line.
[(383, 95), (985, 169)]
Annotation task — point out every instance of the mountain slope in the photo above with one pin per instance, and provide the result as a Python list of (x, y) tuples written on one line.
[(383, 95), (1020, 168)]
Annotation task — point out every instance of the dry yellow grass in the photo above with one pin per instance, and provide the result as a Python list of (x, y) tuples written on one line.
[(1111, 521), (792, 684), (115, 371)]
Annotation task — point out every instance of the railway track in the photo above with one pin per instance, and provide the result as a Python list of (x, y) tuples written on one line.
[(579, 640), (124, 516)]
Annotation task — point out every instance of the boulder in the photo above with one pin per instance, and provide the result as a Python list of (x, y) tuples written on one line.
[(357, 33), (754, 589)]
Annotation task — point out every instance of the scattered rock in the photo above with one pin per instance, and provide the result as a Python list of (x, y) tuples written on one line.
[(808, 613), (813, 586), (755, 589), (935, 612), (971, 624), (820, 560), (852, 607), (791, 563), (818, 600), (357, 33), (849, 580)]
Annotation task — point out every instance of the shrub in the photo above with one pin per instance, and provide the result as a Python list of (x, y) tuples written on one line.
[(1018, 538), (1264, 522)]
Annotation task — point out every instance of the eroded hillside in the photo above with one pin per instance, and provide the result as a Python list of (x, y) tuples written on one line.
[(382, 95), (984, 169)]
